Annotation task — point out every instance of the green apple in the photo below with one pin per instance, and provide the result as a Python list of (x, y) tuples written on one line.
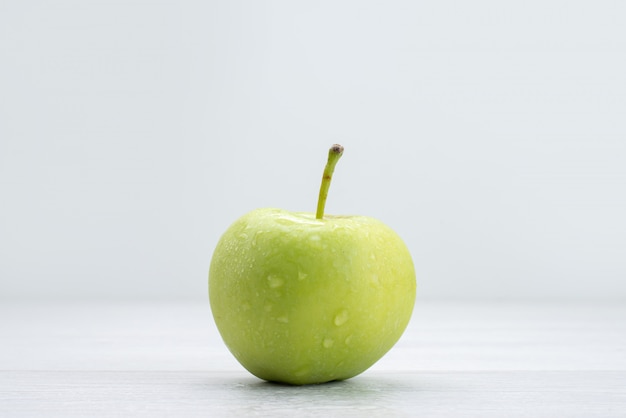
[(305, 298)]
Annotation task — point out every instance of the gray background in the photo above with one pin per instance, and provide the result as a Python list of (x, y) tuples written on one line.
[(491, 135)]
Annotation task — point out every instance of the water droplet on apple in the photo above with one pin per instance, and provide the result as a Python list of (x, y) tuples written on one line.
[(328, 342), (302, 276), (283, 319), (348, 340), (256, 235), (275, 281), (302, 371), (373, 256), (315, 238), (341, 318), (375, 280)]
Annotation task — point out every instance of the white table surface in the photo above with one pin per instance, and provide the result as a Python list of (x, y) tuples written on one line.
[(454, 360)]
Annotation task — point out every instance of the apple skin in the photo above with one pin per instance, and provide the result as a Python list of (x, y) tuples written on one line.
[(299, 300)]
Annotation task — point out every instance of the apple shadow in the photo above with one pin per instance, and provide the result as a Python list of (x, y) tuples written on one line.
[(376, 393)]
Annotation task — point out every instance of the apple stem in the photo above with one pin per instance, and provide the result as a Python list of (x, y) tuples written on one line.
[(334, 154)]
